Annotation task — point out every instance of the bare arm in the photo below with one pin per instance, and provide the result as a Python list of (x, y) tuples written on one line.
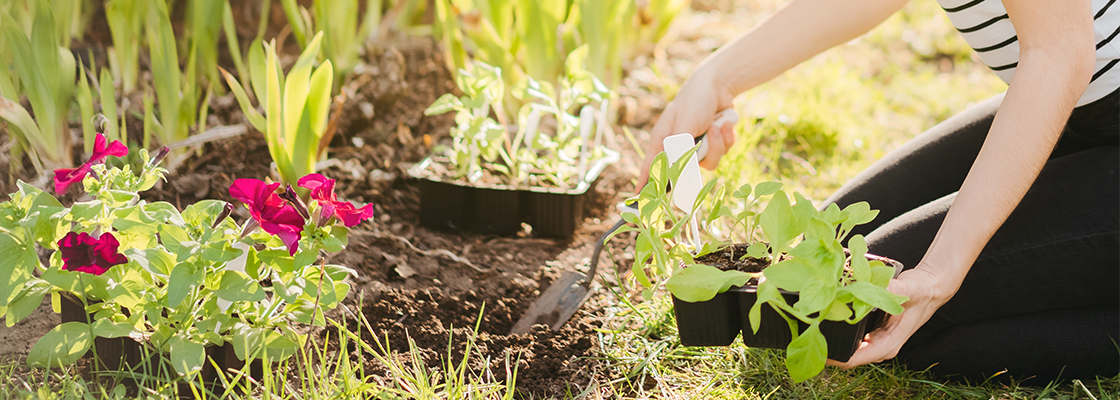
[(795, 33), (1056, 62)]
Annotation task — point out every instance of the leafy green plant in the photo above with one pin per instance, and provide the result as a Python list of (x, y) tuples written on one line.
[(177, 92), (44, 71), (344, 34), (801, 245), (126, 24), (180, 280), (530, 37), (530, 157), (296, 115), (202, 35)]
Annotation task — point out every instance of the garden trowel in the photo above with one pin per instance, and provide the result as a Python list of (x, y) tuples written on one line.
[(566, 294)]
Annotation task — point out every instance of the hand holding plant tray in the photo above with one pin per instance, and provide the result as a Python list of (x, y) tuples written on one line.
[(176, 281), (796, 265)]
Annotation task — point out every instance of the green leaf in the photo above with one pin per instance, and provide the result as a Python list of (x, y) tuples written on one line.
[(778, 222), (861, 269), (186, 356), (87, 210), (815, 296), (702, 282), (220, 252), (164, 212), (806, 354), (108, 329), (765, 293), (203, 213), (20, 262), (236, 286), (61, 346), (171, 237), (791, 275), (881, 275), (839, 311), (184, 279), (26, 301), (876, 296), (278, 260), (767, 188), (156, 261), (247, 341)]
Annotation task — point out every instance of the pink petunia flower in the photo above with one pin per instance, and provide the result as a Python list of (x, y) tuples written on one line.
[(84, 253), (275, 215), (64, 177), (322, 190)]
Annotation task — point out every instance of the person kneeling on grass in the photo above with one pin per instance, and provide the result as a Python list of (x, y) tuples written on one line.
[(1005, 215)]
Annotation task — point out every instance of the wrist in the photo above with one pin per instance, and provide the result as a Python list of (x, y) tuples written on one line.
[(941, 286)]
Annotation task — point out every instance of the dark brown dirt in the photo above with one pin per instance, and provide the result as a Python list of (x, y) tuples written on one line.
[(732, 258)]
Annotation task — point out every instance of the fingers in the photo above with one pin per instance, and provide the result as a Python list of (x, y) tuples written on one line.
[(721, 137)]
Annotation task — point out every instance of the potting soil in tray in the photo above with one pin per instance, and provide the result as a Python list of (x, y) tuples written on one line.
[(501, 210), (718, 321)]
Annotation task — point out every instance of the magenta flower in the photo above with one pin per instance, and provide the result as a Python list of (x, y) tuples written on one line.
[(64, 177), (84, 253), (322, 190), (275, 215)]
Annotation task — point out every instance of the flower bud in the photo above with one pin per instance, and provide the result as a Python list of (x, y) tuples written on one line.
[(292, 198), (160, 155), (222, 216)]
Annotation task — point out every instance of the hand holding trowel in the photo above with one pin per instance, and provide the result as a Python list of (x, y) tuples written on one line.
[(557, 304)]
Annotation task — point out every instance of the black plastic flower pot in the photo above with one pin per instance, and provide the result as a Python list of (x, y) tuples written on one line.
[(128, 354), (708, 323), (774, 332), (718, 321), (501, 210)]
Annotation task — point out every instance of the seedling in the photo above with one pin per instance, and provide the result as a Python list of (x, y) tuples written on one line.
[(801, 245)]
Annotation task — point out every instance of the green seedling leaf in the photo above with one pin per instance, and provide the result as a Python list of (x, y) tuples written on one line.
[(881, 275), (838, 311), (806, 354), (757, 250), (861, 269), (702, 282), (791, 275), (765, 293), (778, 222), (877, 296), (61, 346), (815, 296)]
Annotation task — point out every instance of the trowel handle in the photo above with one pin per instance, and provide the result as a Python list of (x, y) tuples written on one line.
[(723, 117)]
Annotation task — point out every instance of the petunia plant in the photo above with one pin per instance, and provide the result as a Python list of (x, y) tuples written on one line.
[(175, 280)]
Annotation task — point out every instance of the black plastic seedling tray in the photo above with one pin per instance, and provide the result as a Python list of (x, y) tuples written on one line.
[(501, 210), (718, 321)]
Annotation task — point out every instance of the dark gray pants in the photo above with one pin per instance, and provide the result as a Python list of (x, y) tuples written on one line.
[(1043, 298)]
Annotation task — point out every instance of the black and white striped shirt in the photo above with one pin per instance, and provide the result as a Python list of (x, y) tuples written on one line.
[(985, 26)]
